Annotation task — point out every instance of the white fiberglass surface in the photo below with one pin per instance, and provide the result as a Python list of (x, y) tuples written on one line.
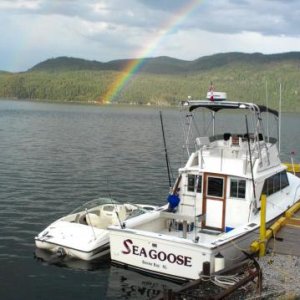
[(94, 203), (214, 211), (73, 235), (170, 228), (201, 237)]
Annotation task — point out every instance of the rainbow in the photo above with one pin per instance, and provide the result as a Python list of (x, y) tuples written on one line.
[(134, 65)]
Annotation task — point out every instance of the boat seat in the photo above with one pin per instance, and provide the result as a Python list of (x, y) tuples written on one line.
[(102, 221), (93, 220), (226, 136), (95, 211), (77, 218), (235, 140), (202, 141), (121, 212)]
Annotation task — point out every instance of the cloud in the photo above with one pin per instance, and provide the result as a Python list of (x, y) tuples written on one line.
[(268, 17), (19, 5), (33, 30), (164, 5)]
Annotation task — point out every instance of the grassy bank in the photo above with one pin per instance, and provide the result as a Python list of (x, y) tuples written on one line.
[(241, 80)]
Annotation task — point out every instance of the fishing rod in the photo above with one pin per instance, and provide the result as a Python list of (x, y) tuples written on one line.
[(165, 148)]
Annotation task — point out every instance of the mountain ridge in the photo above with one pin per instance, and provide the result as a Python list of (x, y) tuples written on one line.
[(161, 80), (163, 64)]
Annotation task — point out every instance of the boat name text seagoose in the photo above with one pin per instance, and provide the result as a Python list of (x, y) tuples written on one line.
[(154, 254)]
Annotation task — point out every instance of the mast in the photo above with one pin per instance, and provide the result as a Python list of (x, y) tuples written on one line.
[(267, 105)]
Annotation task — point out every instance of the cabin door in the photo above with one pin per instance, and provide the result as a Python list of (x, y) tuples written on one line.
[(214, 195)]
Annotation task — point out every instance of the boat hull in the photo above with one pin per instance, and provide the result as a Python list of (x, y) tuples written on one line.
[(177, 260), (83, 234), (92, 254), (74, 240)]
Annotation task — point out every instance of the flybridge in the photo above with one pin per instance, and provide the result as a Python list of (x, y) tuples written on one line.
[(216, 106), (254, 113)]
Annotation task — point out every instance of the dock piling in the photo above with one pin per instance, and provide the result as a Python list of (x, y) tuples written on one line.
[(262, 229)]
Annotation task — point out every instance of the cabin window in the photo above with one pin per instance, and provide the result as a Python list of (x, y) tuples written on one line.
[(237, 188), (275, 183), (284, 181), (215, 187), (192, 182)]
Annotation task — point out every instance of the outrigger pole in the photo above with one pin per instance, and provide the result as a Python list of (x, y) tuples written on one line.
[(279, 120), (250, 158), (165, 148)]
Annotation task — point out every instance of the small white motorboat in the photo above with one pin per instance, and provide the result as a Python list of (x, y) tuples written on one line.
[(83, 233), (214, 207)]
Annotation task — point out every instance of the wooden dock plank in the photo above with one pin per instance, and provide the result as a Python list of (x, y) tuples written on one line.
[(287, 241), (297, 214), (293, 221)]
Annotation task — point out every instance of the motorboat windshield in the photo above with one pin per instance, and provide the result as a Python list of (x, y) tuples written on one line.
[(110, 205), (93, 203)]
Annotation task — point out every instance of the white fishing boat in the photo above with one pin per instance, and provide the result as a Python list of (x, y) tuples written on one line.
[(83, 233), (214, 207)]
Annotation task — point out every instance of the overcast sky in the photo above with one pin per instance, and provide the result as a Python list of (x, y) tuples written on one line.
[(34, 30)]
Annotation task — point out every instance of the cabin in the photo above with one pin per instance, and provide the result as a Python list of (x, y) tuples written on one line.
[(216, 182)]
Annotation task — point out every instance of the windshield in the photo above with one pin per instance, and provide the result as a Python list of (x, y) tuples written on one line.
[(110, 205), (93, 203)]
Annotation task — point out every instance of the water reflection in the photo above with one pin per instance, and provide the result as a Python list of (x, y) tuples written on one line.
[(56, 157), (122, 283), (49, 258), (127, 284)]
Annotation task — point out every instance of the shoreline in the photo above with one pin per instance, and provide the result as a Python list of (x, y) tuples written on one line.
[(125, 104), (92, 103)]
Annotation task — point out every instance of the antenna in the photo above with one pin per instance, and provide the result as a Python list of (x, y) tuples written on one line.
[(279, 120), (267, 105)]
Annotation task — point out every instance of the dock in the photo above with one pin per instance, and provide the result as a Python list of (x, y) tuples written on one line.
[(287, 240), (281, 265), (293, 168), (233, 281)]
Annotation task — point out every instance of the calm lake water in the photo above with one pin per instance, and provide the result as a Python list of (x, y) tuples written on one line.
[(55, 157)]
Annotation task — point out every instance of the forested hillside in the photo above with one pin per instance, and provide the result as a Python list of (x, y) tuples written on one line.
[(162, 80)]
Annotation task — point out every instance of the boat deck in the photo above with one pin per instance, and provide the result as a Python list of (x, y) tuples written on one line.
[(172, 226), (202, 236)]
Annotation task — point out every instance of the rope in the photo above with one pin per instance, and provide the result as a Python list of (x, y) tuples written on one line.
[(238, 247), (274, 241), (224, 281)]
